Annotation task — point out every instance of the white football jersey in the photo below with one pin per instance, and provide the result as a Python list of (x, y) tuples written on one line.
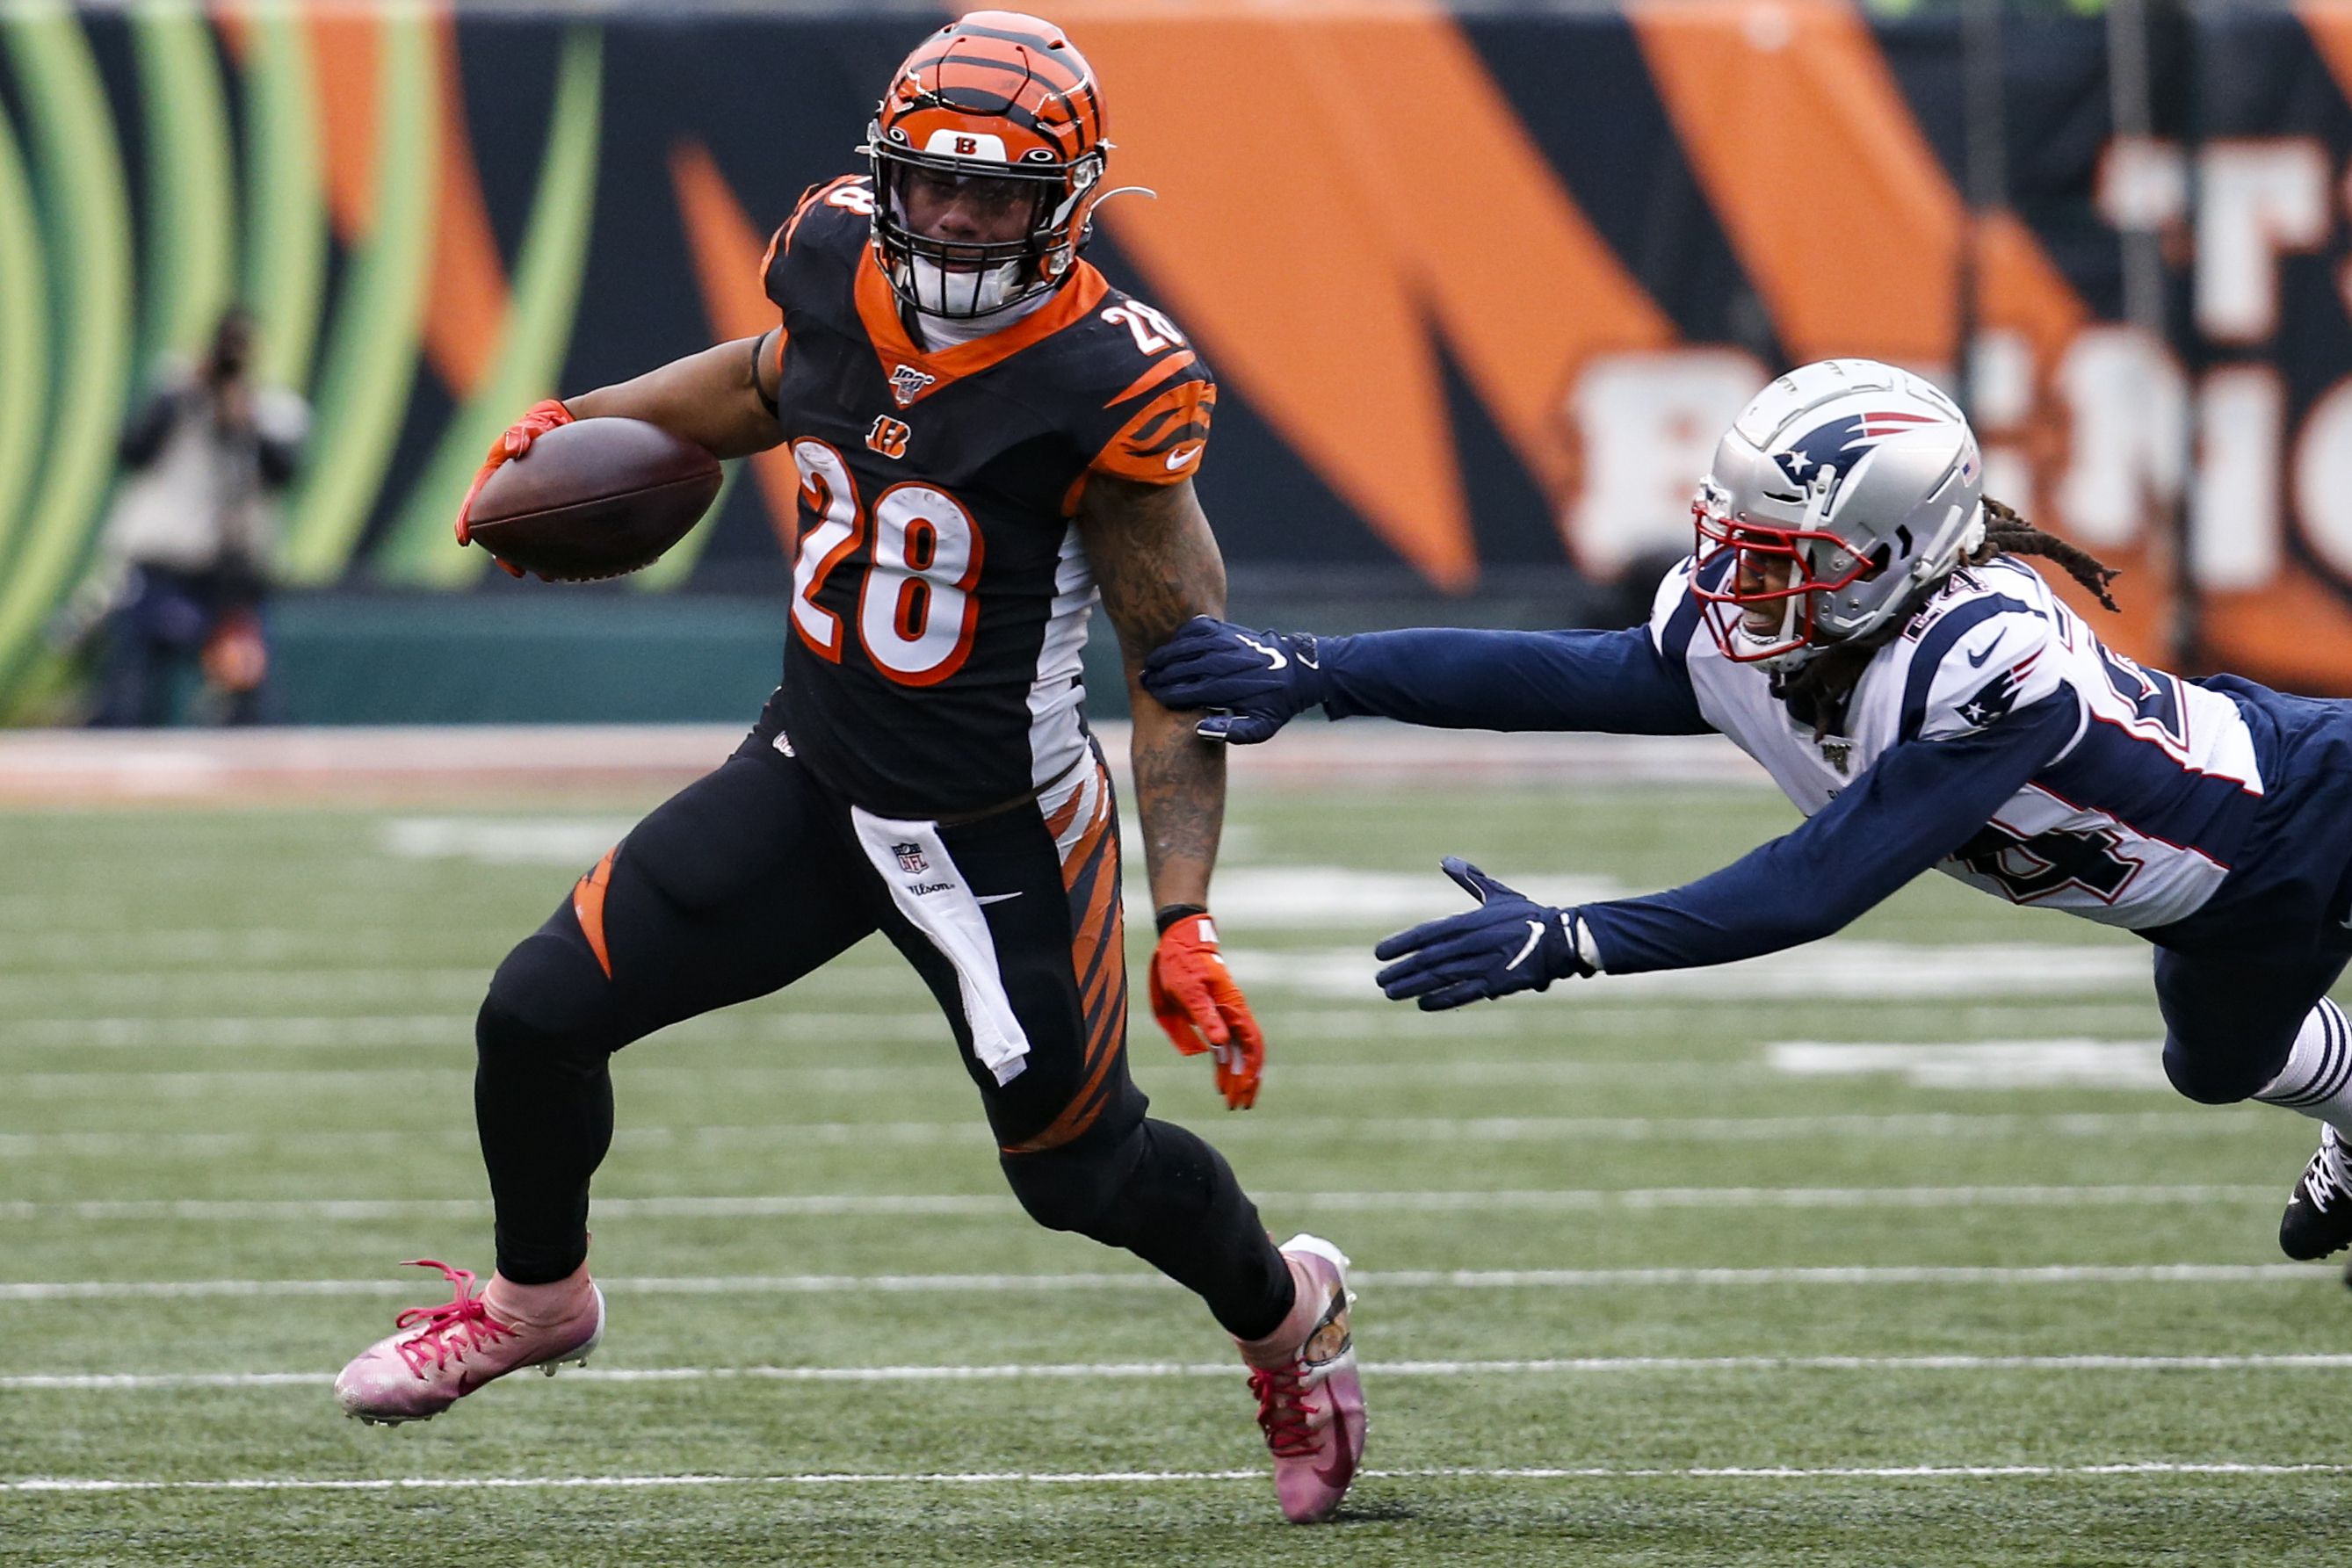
[(2134, 823)]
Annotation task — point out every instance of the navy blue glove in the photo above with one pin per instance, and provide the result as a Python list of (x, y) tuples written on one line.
[(1509, 942), (1259, 679)]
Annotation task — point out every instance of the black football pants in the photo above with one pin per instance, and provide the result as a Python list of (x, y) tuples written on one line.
[(751, 877)]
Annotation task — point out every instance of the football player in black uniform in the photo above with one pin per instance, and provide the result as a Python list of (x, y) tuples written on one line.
[(989, 438)]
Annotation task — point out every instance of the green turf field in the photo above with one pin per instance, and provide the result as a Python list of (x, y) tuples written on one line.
[(1650, 1273)]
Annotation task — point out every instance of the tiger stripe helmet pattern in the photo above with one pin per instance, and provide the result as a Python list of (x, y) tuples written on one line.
[(1005, 101)]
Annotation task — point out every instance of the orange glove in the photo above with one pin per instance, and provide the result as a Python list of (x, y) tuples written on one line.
[(544, 416), (1196, 1001)]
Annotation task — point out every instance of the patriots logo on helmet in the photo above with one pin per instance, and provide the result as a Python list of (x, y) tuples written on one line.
[(1826, 445)]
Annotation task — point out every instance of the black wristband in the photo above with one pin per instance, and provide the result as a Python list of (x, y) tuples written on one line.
[(757, 390), (1170, 913)]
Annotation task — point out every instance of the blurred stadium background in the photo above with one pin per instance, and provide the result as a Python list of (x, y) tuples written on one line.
[(1480, 286), (1896, 1251)]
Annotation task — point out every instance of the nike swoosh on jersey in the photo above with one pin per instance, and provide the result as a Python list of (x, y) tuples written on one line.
[(1976, 661), (1182, 455), (1535, 934), (994, 897)]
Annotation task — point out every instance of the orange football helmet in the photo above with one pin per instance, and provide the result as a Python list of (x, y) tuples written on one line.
[(999, 111)]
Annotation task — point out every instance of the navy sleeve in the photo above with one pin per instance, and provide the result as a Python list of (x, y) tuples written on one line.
[(1614, 682), (1918, 803)]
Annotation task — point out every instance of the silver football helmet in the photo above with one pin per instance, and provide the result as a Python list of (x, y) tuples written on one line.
[(1845, 491)]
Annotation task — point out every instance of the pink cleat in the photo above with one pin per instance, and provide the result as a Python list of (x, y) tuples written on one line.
[(1309, 1400), (437, 1355)]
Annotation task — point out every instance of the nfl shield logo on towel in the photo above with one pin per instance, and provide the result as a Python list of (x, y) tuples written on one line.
[(910, 858)]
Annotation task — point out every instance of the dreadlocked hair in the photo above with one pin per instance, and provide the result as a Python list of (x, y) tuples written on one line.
[(2007, 533), (1816, 691)]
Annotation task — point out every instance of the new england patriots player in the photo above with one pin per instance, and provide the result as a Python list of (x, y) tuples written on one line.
[(1856, 618), (989, 438)]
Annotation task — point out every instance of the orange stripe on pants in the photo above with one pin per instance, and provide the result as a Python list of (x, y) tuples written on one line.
[(588, 908), (1100, 929)]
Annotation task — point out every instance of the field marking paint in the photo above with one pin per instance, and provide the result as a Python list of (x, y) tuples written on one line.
[(1450, 1202), (304, 985), (157, 1382), (1979, 1064), (502, 840), (792, 1024), (1837, 967), (1304, 895), (1907, 1126), (452, 1029), (1300, 1076), (79, 950), (1385, 1280), (2121, 1467)]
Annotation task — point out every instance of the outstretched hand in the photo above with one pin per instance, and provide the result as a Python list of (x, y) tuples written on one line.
[(1509, 943), (1258, 679)]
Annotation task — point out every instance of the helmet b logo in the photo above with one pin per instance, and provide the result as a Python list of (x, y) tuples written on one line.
[(967, 145), (889, 436)]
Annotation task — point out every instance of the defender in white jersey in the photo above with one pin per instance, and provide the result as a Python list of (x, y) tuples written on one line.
[(1856, 617)]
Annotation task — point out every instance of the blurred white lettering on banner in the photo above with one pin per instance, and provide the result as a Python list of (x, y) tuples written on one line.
[(2124, 397), (1646, 425), (2233, 541), (2256, 199)]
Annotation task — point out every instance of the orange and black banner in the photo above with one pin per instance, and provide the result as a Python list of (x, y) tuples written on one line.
[(1480, 288)]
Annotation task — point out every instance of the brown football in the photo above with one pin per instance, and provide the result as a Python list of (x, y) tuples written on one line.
[(598, 497)]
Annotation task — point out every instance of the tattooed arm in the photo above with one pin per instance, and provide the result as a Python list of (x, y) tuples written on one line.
[(1158, 566)]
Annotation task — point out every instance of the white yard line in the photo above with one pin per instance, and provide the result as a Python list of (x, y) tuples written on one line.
[(1586, 1365), (453, 1030), (1837, 967), (1840, 967), (1906, 1126), (2124, 1468), (452, 1078), (791, 1024), (1450, 1202), (1369, 1279)]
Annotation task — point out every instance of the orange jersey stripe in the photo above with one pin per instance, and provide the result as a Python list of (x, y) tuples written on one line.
[(1152, 377)]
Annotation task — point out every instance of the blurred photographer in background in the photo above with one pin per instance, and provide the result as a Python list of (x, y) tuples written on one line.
[(185, 558)]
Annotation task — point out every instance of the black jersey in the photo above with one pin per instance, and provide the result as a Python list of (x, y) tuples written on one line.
[(940, 594)]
